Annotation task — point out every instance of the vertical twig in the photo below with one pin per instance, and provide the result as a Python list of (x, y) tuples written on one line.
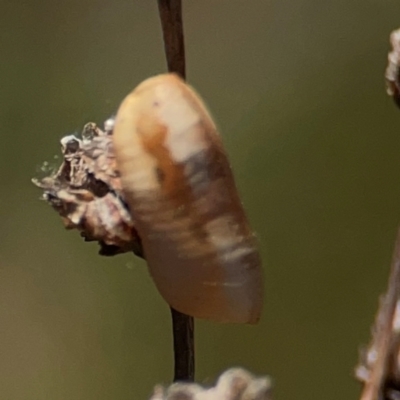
[(172, 27), (183, 332), (380, 368), (182, 325), (383, 332)]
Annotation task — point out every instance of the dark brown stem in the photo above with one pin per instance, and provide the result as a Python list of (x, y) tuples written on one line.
[(183, 331), (182, 325), (172, 27)]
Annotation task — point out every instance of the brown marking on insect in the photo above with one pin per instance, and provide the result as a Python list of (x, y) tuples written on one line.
[(173, 183)]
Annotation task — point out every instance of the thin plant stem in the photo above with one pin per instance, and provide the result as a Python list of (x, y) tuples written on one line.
[(383, 330), (182, 325)]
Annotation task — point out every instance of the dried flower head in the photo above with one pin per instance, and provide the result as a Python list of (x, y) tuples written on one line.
[(233, 384), (86, 191)]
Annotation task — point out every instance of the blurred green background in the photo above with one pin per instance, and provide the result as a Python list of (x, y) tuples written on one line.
[(297, 90)]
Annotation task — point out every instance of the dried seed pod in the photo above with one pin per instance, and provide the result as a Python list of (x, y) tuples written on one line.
[(181, 192), (233, 384), (86, 192)]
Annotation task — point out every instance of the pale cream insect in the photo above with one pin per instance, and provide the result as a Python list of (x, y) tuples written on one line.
[(180, 189)]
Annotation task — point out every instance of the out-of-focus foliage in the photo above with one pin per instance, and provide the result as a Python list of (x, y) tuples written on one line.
[(297, 89)]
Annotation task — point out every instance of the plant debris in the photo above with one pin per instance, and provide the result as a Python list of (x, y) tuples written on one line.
[(233, 384), (86, 191), (392, 73)]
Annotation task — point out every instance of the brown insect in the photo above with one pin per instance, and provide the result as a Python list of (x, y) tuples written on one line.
[(176, 178)]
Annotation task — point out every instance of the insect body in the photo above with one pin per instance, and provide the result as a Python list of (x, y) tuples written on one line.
[(182, 196)]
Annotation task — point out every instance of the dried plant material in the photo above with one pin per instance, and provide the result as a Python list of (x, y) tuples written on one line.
[(392, 74), (201, 251), (86, 191), (234, 384), (379, 368)]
